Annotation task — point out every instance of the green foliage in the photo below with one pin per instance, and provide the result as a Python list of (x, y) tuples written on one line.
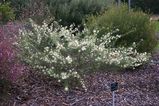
[(146, 5), (74, 11), (59, 53), (134, 26), (36, 9), (157, 26), (6, 13), (18, 6)]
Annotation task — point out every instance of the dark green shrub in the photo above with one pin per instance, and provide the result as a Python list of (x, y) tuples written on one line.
[(134, 26), (36, 9), (146, 5), (18, 6), (6, 13), (74, 11)]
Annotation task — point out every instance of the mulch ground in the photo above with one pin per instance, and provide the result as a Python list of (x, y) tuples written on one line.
[(139, 87), (155, 17)]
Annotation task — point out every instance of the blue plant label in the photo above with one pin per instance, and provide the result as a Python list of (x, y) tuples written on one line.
[(114, 86)]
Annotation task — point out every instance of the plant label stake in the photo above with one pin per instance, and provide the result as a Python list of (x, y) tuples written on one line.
[(118, 2), (129, 3), (114, 87)]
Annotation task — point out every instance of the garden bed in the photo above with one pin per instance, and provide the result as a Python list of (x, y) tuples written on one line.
[(55, 51), (137, 87)]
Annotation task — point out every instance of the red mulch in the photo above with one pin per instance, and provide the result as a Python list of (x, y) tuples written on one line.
[(139, 87)]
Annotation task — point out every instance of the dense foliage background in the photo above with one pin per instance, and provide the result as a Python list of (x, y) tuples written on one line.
[(151, 6), (75, 11), (134, 26)]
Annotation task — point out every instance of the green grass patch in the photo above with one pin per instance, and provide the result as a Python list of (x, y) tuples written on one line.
[(157, 26), (157, 47)]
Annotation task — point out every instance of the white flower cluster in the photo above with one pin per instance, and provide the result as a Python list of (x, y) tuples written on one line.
[(62, 53)]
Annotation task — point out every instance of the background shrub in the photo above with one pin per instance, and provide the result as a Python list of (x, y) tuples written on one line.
[(18, 6), (74, 11), (157, 26), (134, 26), (146, 5), (57, 52), (6, 13), (36, 9)]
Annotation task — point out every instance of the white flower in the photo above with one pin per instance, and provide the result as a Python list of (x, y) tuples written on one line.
[(59, 80), (66, 88), (83, 48), (46, 49), (64, 75), (69, 59), (94, 31), (117, 29)]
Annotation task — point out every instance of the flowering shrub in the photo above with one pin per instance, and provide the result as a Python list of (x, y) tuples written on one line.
[(59, 53)]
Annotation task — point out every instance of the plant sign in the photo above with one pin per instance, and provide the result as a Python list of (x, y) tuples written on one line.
[(129, 3), (114, 87)]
